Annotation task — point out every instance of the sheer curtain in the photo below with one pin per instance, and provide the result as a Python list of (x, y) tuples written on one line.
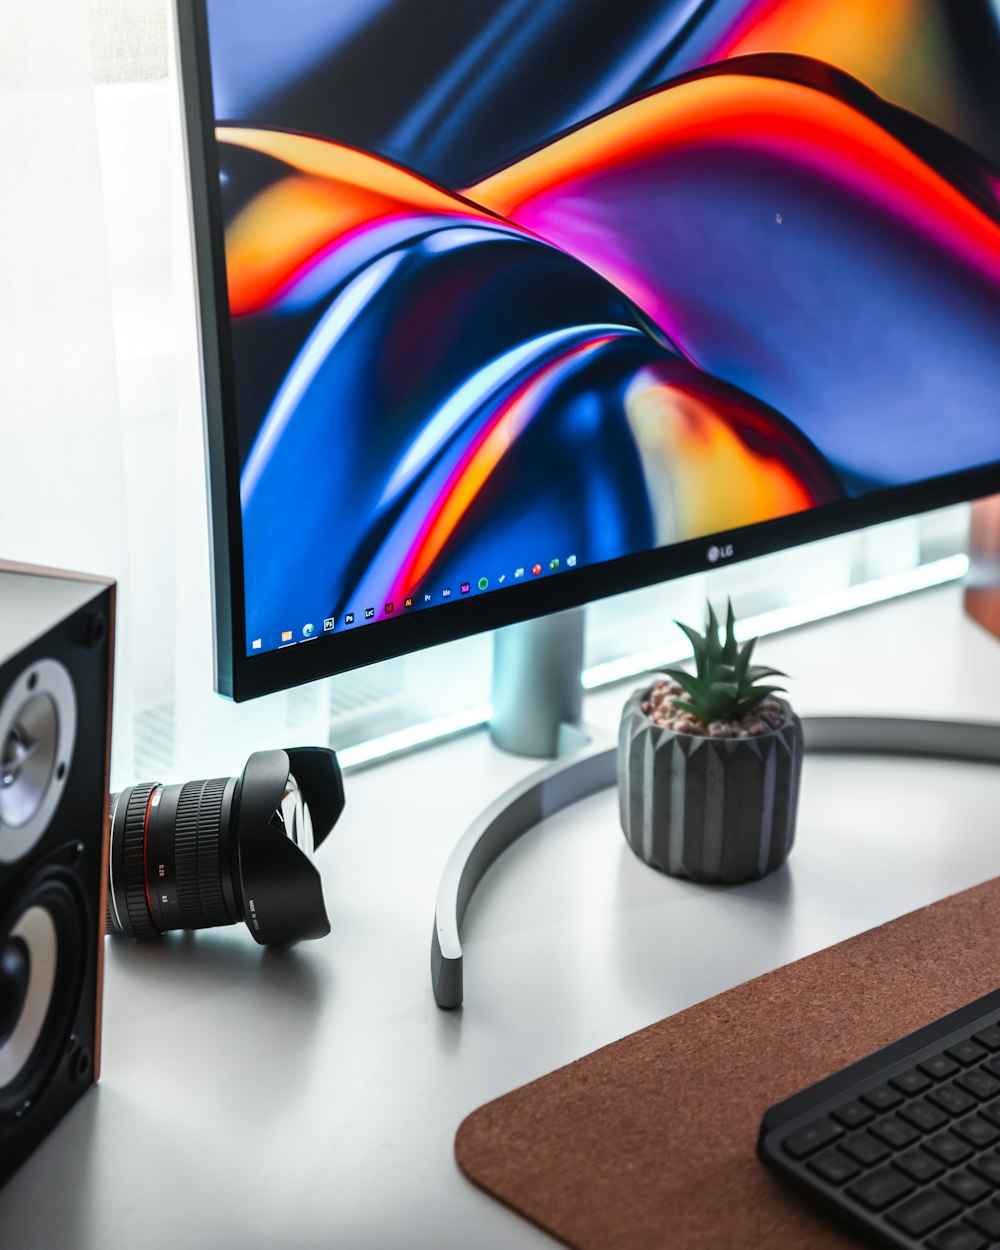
[(62, 470)]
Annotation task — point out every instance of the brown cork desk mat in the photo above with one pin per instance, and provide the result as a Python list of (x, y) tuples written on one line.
[(650, 1142)]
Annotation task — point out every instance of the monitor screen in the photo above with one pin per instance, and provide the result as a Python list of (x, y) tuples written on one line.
[(511, 304)]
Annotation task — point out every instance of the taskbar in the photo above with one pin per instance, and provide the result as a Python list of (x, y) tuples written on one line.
[(298, 633)]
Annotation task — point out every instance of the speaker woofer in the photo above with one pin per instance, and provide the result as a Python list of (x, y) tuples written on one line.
[(41, 965), (37, 736), (32, 948)]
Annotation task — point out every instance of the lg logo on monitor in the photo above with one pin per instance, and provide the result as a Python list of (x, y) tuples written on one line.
[(715, 554)]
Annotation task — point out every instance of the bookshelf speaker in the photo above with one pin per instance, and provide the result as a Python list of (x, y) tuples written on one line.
[(56, 657)]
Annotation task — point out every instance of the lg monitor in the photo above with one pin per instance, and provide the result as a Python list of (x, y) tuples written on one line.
[(507, 305)]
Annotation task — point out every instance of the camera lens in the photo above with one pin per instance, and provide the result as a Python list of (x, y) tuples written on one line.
[(210, 853), (171, 858)]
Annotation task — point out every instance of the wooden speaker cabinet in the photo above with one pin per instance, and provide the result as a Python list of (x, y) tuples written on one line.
[(56, 659), (982, 588)]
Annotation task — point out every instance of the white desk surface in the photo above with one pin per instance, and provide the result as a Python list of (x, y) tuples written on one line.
[(310, 1098)]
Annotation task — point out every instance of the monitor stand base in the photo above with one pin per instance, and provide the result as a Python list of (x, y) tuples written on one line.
[(594, 767)]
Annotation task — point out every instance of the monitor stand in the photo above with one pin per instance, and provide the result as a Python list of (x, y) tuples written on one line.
[(537, 694), (538, 701)]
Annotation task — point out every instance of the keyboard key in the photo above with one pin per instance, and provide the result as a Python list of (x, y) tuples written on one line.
[(948, 1148), (980, 1083), (977, 1131), (895, 1133), (806, 1140), (920, 1166), (986, 1220), (853, 1114), (868, 1150), (991, 1111), (988, 1167), (836, 1167), (992, 1065), (878, 1189), (912, 1082), (988, 1037), (922, 1115), (957, 1237), (939, 1068), (966, 1053), (952, 1099), (882, 1098), (966, 1186), (926, 1211)]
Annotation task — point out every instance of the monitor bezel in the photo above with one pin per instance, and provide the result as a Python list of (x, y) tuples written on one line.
[(239, 676)]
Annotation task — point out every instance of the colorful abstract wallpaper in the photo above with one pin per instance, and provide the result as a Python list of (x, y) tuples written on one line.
[(519, 286)]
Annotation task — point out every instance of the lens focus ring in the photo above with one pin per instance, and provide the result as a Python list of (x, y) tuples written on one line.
[(199, 869), (111, 924), (136, 902)]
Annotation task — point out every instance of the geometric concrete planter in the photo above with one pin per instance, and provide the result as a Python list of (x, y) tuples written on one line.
[(710, 809)]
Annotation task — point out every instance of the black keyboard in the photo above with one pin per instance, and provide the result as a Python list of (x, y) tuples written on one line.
[(904, 1146)]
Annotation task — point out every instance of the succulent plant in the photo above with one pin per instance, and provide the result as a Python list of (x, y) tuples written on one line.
[(725, 685)]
